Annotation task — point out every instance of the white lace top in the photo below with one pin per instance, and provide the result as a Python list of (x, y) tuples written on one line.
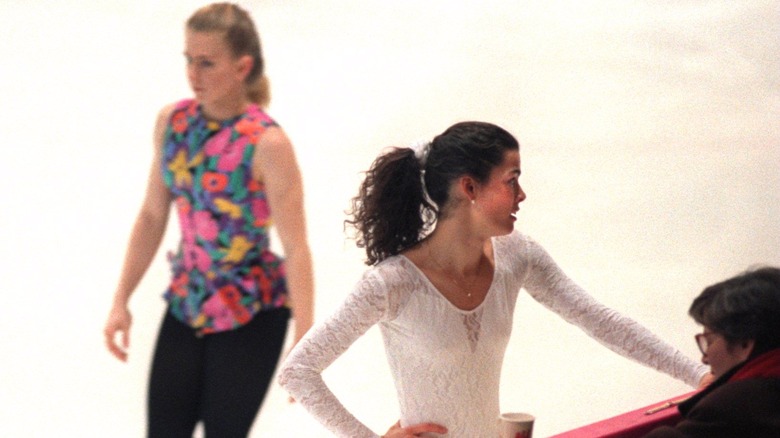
[(446, 362)]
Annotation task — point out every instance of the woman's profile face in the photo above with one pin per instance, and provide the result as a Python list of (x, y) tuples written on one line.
[(722, 356), (215, 75), (499, 198)]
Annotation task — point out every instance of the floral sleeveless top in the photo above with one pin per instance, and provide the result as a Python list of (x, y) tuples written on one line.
[(223, 270)]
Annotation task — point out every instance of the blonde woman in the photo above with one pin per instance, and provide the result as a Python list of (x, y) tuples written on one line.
[(229, 169)]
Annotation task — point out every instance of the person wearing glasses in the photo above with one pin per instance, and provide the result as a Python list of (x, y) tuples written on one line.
[(741, 344)]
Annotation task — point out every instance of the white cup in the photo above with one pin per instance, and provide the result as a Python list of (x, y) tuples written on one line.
[(515, 425)]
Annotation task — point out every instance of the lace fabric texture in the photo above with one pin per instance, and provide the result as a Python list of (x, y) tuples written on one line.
[(446, 362)]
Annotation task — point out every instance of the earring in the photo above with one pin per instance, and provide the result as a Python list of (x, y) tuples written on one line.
[(473, 202)]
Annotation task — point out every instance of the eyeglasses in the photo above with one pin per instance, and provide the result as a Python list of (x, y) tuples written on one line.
[(703, 341)]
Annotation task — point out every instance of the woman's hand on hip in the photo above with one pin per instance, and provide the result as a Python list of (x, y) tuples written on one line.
[(396, 431)]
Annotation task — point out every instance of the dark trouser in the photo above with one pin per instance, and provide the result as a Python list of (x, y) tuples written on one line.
[(220, 379)]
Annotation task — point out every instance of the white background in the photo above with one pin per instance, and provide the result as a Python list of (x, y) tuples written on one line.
[(649, 134)]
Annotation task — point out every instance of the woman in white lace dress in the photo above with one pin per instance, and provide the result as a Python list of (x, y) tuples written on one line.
[(447, 266)]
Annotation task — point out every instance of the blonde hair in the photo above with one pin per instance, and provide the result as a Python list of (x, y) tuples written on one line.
[(242, 38)]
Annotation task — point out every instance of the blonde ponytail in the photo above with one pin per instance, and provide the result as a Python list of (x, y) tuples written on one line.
[(259, 91)]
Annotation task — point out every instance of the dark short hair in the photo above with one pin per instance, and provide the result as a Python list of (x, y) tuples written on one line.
[(744, 307)]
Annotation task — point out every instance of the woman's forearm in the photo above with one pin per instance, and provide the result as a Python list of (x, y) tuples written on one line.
[(300, 282), (144, 241)]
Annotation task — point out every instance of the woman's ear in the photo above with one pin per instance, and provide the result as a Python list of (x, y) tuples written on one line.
[(746, 348), (467, 187), (244, 65)]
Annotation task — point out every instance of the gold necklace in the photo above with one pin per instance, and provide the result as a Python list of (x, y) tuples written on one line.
[(452, 278)]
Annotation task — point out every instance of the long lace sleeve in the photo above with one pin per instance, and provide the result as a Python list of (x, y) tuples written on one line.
[(547, 284), (301, 373)]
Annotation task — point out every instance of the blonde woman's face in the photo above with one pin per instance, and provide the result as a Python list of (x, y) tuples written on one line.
[(215, 75)]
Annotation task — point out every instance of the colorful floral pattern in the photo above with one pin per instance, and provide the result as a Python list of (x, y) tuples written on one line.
[(223, 271)]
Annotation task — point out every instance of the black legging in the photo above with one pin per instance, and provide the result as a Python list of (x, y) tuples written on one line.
[(220, 379)]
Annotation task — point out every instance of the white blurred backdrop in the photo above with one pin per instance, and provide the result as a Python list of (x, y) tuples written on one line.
[(650, 148)]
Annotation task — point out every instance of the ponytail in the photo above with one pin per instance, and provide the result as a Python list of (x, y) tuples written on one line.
[(259, 91), (391, 212)]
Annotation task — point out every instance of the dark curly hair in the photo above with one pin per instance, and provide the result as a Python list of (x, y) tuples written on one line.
[(403, 195), (743, 307)]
